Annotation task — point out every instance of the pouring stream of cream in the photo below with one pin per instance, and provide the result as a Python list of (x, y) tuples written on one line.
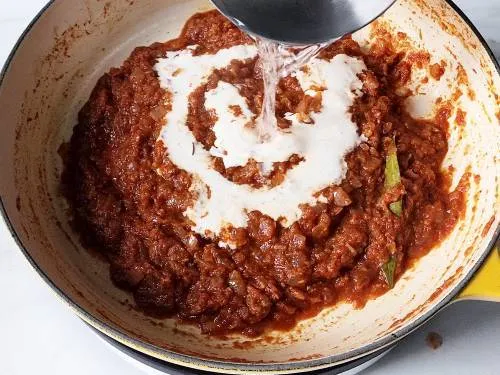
[(220, 203)]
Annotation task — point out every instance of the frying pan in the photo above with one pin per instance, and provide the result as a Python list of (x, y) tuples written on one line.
[(49, 76)]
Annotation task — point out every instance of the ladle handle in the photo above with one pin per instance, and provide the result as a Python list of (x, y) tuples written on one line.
[(485, 285)]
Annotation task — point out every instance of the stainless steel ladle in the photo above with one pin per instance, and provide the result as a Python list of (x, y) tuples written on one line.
[(302, 22)]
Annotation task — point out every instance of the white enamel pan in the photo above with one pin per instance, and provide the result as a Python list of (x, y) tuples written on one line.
[(49, 76)]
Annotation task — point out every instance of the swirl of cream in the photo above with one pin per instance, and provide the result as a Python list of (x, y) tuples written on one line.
[(221, 203)]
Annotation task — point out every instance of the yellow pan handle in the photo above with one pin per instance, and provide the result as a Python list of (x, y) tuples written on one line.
[(485, 285)]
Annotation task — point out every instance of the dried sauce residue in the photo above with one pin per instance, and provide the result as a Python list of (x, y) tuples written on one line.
[(487, 227), (434, 340), (460, 117), (437, 70)]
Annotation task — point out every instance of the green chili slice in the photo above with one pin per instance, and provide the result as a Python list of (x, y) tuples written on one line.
[(397, 208), (393, 177), (389, 269)]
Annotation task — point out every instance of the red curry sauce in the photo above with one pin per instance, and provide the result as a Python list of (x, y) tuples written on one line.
[(277, 275)]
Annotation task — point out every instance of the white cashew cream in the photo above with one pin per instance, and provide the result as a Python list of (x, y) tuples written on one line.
[(322, 145)]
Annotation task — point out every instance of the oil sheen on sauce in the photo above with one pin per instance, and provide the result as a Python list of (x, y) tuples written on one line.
[(322, 144)]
